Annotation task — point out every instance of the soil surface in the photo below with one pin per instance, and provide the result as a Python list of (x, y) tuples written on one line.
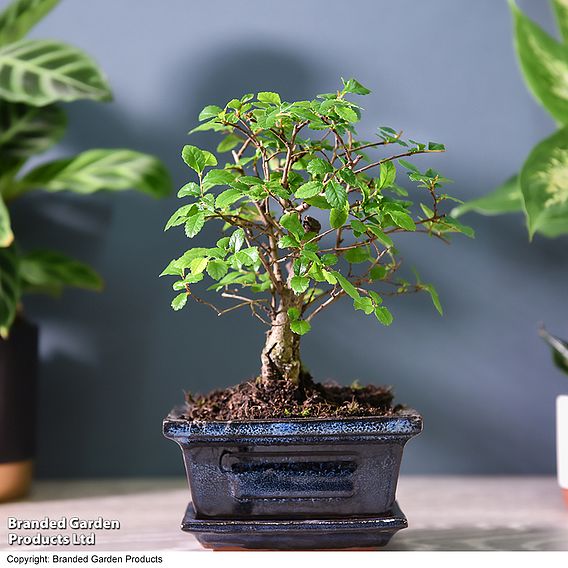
[(257, 400)]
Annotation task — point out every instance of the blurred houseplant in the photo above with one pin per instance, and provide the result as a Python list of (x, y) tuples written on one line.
[(34, 76), (540, 190), (310, 212)]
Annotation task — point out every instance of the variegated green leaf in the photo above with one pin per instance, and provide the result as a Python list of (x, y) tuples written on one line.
[(96, 170), (544, 184), (49, 271), (544, 63), (27, 130), (6, 235), (561, 13), (20, 16), (41, 72), (10, 290)]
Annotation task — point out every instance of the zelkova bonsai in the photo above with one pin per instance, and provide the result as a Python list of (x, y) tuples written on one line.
[(310, 212)]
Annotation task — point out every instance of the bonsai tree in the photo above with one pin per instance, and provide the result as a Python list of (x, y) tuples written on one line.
[(309, 212), (34, 76)]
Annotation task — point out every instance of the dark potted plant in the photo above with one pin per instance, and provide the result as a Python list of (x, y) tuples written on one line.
[(540, 189), (281, 461), (34, 75)]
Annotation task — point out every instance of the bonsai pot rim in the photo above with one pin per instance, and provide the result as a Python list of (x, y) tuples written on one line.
[(404, 424)]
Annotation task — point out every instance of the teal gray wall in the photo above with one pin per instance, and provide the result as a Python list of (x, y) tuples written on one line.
[(113, 364)]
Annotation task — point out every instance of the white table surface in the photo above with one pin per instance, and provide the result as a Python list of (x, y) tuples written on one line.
[(444, 513)]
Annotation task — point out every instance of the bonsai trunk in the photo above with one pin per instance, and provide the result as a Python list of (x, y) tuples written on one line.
[(281, 353)]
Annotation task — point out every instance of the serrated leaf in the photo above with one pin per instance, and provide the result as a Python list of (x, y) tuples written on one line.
[(383, 238), (179, 301), (309, 189), (198, 265), (228, 143), (336, 195), (300, 327), (291, 222), (337, 218), (317, 166), (172, 269), (435, 298), (299, 284), (217, 177), (346, 113), (293, 313), (210, 111), (561, 14), (217, 269), (353, 86), (357, 255), (383, 315), (288, 241), (347, 287), (190, 189), (237, 240), (544, 188), (544, 63), (194, 224), (41, 72), (402, 220), (227, 198), (98, 170), (387, 175), (197, 159), (268, 97), (364, 304)]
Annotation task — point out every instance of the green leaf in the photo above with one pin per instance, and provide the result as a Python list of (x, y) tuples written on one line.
[(228, 143), (6, 234), (217, 269), (227, 198), (309, 189), (267, 97), (559, 349), (435, 298), (197, 159), (294, 314), (353, 86), (357, 255), (348, 288), (507, 198), (237, 240), (291, 222), (27, 130), (10, 288), (41, 72), (436, 147), (20, 16), (544, 63), (300, 327), (50, 271), (364, 304), (402, 220), (194, 224), (288, 241), (210, 111), (179, 301), (561, 14), (336, 195), (383, 238), (97, 170), (299, 284), (544, 186), (198, 265), (346, 113), (387, 175), (190, 189), (217, 177), (337, 218), (317, 167), (383, 315)]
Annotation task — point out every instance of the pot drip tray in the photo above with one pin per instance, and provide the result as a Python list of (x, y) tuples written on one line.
[(295, 534)]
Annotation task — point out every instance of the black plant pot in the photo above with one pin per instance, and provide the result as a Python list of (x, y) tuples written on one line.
[(297, 483), (18, 392)]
